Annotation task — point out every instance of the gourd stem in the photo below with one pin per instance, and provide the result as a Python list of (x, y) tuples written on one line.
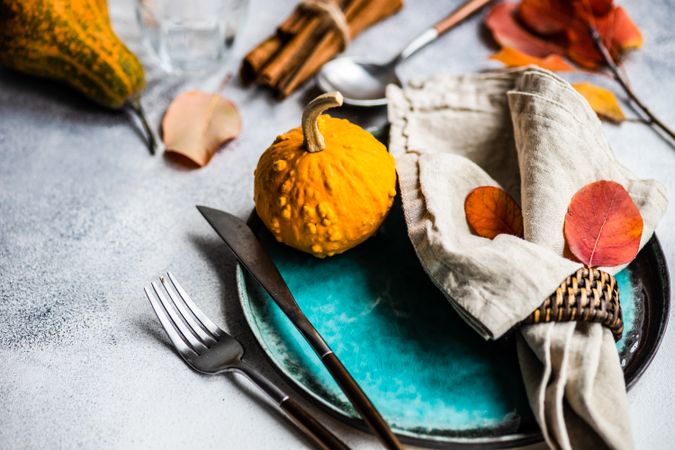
[(137, 108), (313, 139)]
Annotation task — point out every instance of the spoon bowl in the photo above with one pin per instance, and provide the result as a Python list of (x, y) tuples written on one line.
[(360, 82), (363, 83)]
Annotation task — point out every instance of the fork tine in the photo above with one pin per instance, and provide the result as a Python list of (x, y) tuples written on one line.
[(210, 326), (197, 327), (178, 322), (174, 335)]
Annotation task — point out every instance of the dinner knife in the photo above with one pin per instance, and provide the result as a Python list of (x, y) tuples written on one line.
[(250, 253)]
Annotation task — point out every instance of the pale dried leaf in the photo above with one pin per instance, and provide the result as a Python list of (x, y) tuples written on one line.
[(196, 124)]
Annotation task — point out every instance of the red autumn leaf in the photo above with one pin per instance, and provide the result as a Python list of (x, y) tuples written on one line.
[(599, 7), (603, 226), (618, 31), (491, 211), (509, 33), (546, 17), (515, 58), (565, 25)]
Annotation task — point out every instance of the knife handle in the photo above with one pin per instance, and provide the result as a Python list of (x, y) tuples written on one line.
[(360, 401), (314, 430)]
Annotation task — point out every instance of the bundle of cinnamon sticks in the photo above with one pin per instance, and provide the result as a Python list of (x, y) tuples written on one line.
[(306, 40)]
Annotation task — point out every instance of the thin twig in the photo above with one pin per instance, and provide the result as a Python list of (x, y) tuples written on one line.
[(624, 74), (625, 84), (638, 120), (136, 107)]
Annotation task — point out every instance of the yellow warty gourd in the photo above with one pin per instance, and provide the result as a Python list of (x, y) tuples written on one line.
[(327, 186)]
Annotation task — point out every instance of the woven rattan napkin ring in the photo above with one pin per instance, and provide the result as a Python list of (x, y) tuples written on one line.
[(589, 295)]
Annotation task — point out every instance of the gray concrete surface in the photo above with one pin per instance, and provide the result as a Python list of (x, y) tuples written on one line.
[(87, 218)]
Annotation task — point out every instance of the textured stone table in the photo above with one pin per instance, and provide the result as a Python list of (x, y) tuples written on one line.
[(87, 218)]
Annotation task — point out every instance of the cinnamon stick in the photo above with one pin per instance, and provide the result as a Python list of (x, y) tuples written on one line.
[(360, 14), (293, 24), (257, 58), (297, 48), (307, 40), (263, 53), (282, 90)]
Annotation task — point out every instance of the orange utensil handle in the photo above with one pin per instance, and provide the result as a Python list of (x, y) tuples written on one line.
[(466, 10)]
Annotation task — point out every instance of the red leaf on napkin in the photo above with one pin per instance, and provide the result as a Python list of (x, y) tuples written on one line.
[(491, 211), (196, 124), (603, 226)]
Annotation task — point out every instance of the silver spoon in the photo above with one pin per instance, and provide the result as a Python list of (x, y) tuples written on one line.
[(363, 83)]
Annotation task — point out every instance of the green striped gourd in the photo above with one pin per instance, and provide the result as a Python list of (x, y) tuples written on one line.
[(71, 41)]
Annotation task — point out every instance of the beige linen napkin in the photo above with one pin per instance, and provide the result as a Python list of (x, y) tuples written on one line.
[(531, 133)]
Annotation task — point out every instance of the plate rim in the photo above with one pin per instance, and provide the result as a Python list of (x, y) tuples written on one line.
[(632, 372)]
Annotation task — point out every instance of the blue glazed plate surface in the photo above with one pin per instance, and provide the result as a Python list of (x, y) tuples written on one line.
[(431, 376)]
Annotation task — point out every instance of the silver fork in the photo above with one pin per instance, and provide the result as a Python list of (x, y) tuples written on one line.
[(208, 349)]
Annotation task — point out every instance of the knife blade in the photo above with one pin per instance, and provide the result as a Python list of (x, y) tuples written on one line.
[(250, 253)]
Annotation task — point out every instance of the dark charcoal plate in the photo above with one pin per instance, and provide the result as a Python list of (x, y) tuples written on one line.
[(432, 377)]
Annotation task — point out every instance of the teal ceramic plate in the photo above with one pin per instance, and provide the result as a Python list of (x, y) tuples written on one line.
[(431, 376)]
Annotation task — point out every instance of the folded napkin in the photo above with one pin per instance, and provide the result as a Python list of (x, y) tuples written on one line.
[(531, 133)]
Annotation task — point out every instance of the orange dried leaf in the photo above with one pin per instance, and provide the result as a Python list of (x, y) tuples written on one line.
[(581, 48), (566, 23), (508, 33), (603, 226), (619, 30), (515, 58), (491, 211), (196, 124), (603, 101)]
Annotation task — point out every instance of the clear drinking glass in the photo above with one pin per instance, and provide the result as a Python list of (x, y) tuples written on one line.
[(190, 36)]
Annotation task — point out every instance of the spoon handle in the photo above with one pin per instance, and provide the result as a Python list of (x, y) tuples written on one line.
[(461, 13), (466, 10)]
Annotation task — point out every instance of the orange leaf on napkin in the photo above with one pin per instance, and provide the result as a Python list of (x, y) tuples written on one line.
[(512, 57), (196, 124), (603, 101), (491, 211), (603, 226)]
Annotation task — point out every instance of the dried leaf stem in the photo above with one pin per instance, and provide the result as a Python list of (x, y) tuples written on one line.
[(137, 108), (625, 84)]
